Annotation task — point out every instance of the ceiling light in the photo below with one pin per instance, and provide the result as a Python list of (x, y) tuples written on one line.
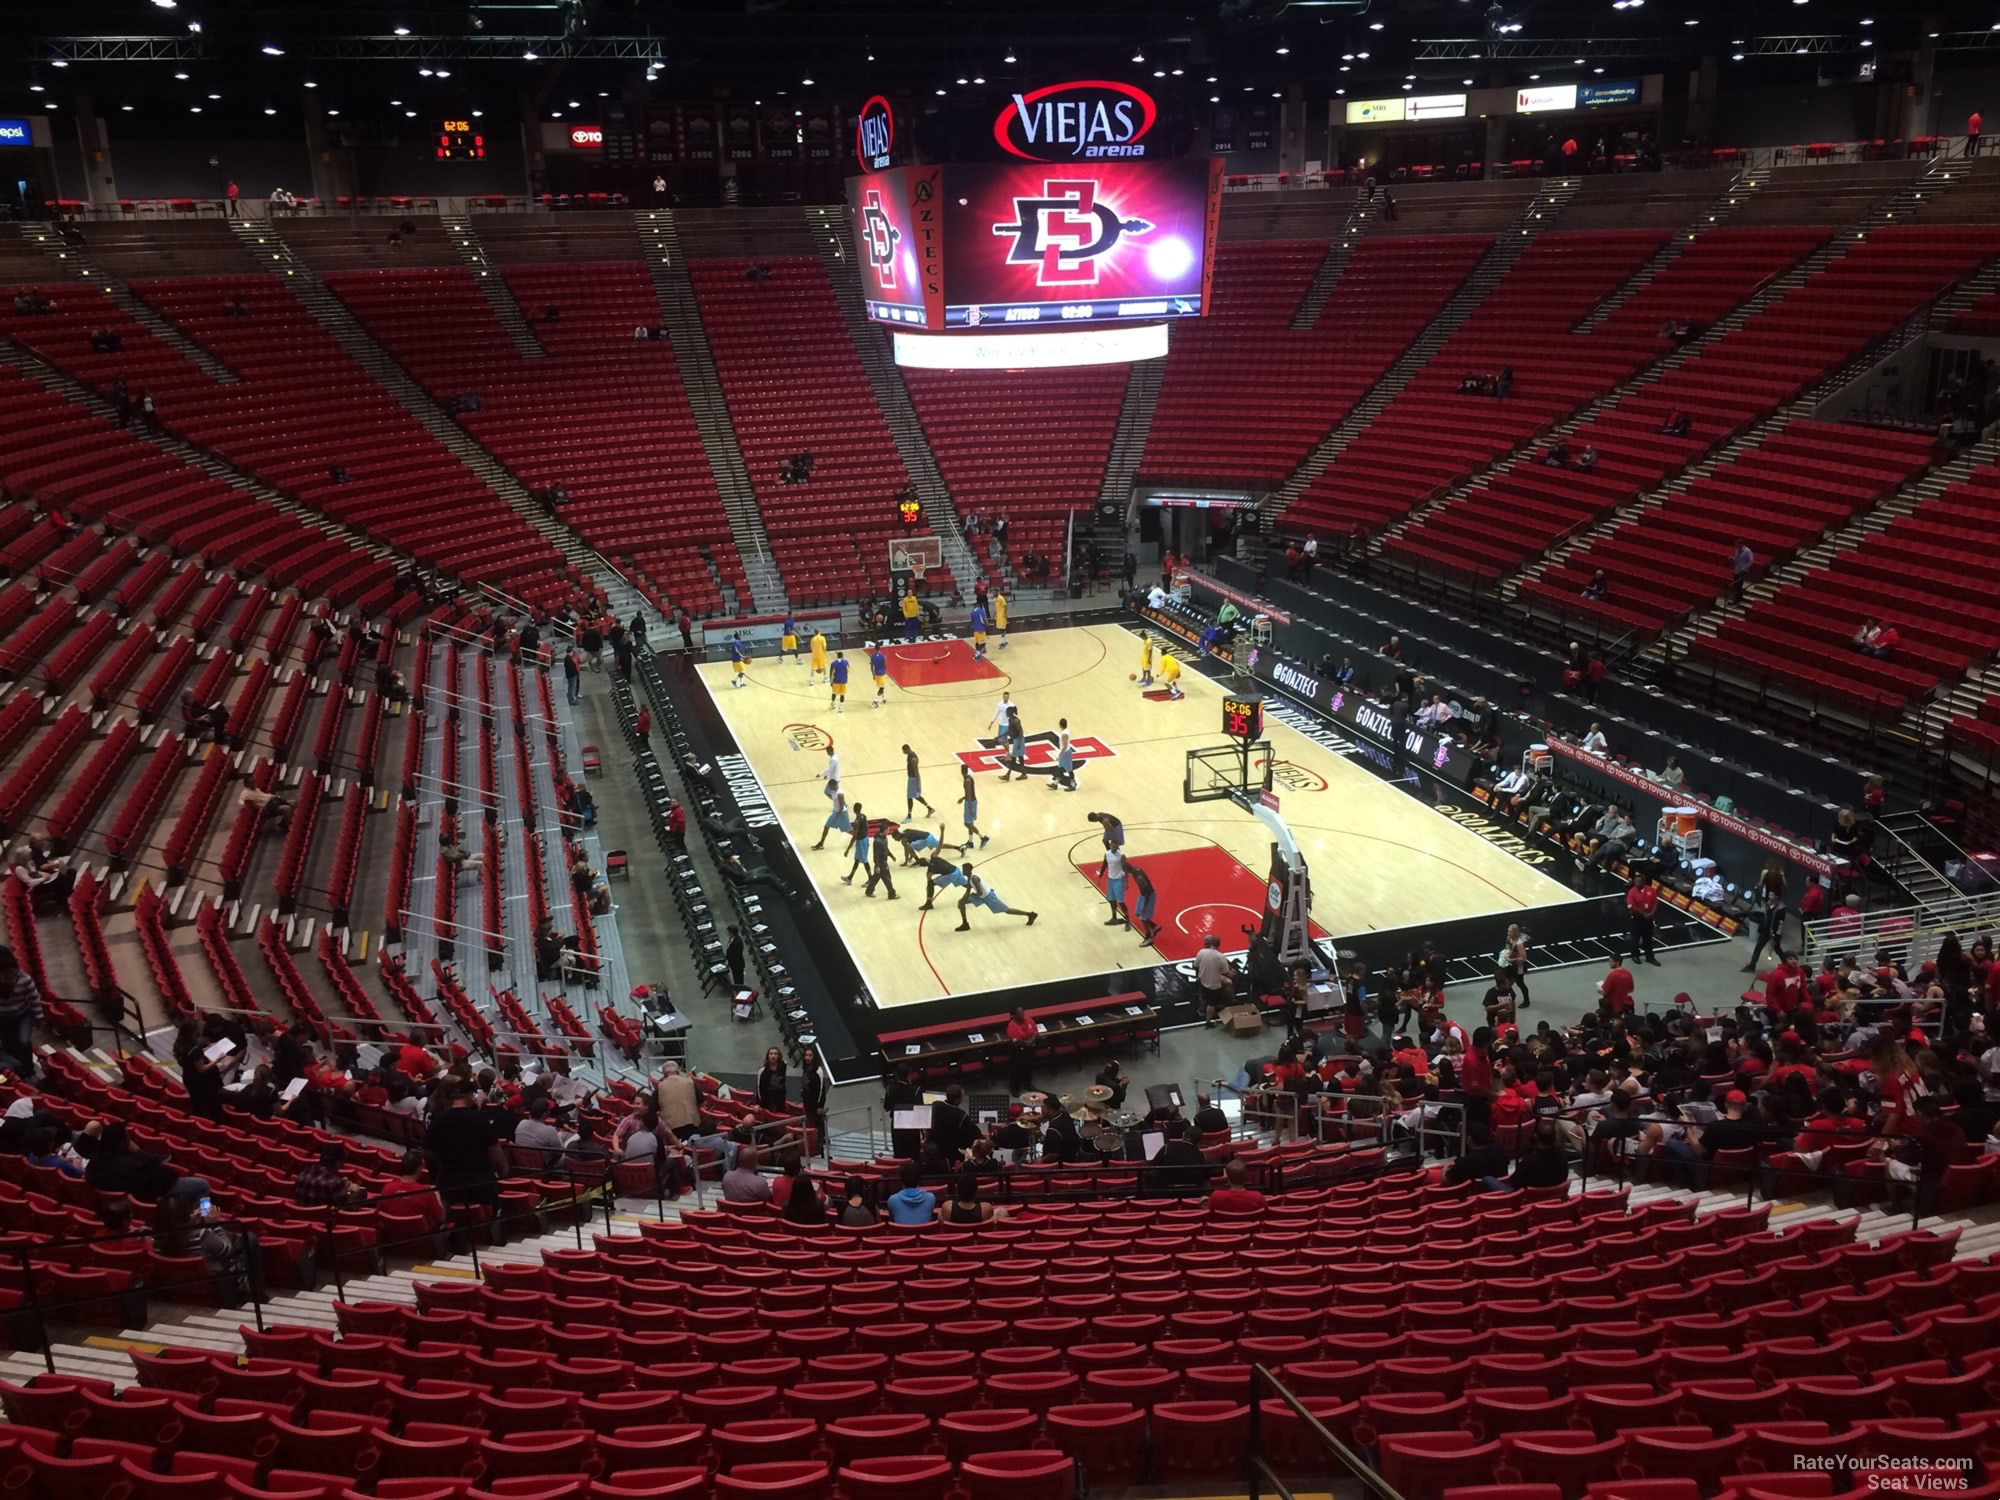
[(1347, 57), (576, 104), (1579, 62), (979, 78), (126, 107), (1157, 73), (409, 114), (478, 114), (271, 50), (1597, 70), (1138, 54), (333, 111), (58, 62), (423, 72), (1374, 25), (1736, 57), (1249, 88), (1276, 95), (215, 96), (34, 88), (940, 93), (1362, 55), (1409, 85), (1178, 72), (1691, 21), (1340, 91), (166, 4), (1345, 68), (1008, 58), (270, 109), (807, 81), (182, 76), (1217, 98), (194, 109), (402, 31), (394, 103), (1283, 50), (964, 81), (555, 114), (1534, 78), (444, 72), (195, 27), (309, 84), (529, 56), (1211, 78), (1866, 43)]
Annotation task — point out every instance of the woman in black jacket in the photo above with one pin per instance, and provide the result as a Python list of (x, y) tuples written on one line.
[(771, 1082), (812, 1091)]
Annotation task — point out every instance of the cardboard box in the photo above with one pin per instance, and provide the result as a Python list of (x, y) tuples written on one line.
[(1243, 1020)]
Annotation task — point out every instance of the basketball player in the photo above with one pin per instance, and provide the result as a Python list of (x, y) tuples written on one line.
[(857, 846), (978, 633), (1065, 776), (836, 821), (1112, 871), (939, 874), (788, 643), (837, 680), (978, 893), (818, 657), (917, 841), (911, 610), (1143, 900), (830, 774), (999, 719), (968, 801), (1145, 659), (878, 665), (739, 661), (913, 786), (1114, 828), (1000, 616), (1017, 747), (1170, 672)]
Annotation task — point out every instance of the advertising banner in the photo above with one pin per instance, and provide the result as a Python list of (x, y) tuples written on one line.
[(1540, 100), (886, 238), (1437, 753), (1619, 91)]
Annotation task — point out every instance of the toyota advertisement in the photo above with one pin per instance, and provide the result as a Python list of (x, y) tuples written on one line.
[(1084, 242)]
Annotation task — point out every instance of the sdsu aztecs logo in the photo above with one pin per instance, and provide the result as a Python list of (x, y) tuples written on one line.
[(879, 238), (1064, 233)]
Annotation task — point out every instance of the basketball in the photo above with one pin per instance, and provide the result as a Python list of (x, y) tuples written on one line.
[(1132, 677)]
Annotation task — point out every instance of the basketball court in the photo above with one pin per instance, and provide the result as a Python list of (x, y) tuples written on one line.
[(1379, 858)]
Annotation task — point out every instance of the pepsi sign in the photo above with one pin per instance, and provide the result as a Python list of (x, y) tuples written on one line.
[(16, 132), (875, 134), (1090, 120)]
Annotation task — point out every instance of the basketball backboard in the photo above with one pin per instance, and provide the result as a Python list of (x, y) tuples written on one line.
[(919, 555), (1216, 772)]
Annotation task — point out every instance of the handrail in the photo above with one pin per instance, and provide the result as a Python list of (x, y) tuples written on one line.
[(1260, 1470)]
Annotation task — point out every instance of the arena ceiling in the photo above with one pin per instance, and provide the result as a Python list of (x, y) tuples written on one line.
[(251, 60)]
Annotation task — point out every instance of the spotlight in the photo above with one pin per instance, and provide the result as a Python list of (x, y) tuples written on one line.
[(269, 110), (478, 114), (58, 62), (1374, 25), (166, 4), (309, 84), (126, 107), (530, 55), (182, 76), (402, 31), (195, 27), (423, 72), (1177, 72), (215, 96), (940, 93), (1138, 54), (1283, 50), (1007, 59), (271, 50), (1217, 98), (978, 78), (807, 82), (444, 72), (963, 82), (34, 88)]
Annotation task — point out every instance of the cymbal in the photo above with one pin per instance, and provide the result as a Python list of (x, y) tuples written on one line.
[(1125, 1119), (1034, 1099), (1097, 1093)]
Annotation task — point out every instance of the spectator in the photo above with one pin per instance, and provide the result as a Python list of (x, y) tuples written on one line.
[(464, 1149), (965, 1206), (857, 1208), (20, 1013), (1972, 126), (537, 1138), (1594, 741), (1499, 1001), (49, 1148), (185, 1227), (1482, 1161), (678, 1101), (321, 1183), (1236, 1196), (1695, 1147), (1642, 905), (1544, 1164), (912, 1204), (114, 1165), (743, 1183), (771, 1082), (1740, 564), (1598, 586), (1614, 990)]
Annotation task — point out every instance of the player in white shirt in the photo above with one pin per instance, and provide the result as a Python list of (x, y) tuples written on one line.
[(831, 775)]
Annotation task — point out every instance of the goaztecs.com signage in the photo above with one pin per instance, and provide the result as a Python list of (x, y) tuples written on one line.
[(1437, 753)]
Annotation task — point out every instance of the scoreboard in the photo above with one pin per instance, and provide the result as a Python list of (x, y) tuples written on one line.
[(456, 140)]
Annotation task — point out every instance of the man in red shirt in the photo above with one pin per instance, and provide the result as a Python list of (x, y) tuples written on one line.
[(1971, 135), (1236, 1197), (1615, 989), (1785, 989), (1642, 901)]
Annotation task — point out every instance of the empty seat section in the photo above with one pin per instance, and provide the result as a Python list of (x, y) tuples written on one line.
[(1245, 397)]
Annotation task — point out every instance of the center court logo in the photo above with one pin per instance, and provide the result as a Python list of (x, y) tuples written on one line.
[(1040, 753), (1066, 232)]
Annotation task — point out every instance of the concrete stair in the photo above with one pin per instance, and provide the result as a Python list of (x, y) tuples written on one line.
[(1313, 303), (1135, 423), (493, 286), (1739, 192), (682, 319)]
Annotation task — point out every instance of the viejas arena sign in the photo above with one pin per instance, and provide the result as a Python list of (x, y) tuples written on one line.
[(1089, 120), (875, 135)]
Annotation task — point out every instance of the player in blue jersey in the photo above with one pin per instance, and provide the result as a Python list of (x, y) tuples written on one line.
[(878, 664), (913, 785), (788, 643), (836, 674), (739, 661), (979, 632), (978, 893)]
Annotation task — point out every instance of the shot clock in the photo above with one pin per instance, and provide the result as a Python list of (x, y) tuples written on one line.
[(1243, 717)]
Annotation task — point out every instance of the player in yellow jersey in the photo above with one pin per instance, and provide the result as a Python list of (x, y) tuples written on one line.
[(788, 643), (911, 609), (818, 655), (1170, 672), (1145, 659), (1000, 616)]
